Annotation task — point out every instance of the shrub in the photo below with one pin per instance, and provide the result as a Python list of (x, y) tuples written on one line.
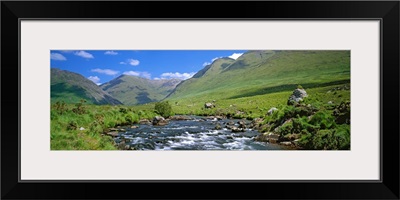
[(95, 127), (299, 87), (123, 110), (332, 139), (99, 119), (163, 108), (72, 125), (60, 107), (323, 119), (286, 129), (342, 136), (131, 118), (79, 108)]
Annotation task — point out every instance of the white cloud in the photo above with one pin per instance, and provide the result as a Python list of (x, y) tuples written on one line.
[(57, 56), (136, 73), (131, 73), (205, 64), (157, 78), (95, 79), (122, 63), (113, 53), (67, 51), (177, 75), (235, 55), (83, 54), (105, 71), (215, 59), (133, 62)]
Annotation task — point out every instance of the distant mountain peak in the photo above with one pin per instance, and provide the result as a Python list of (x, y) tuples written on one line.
[(133, 90), (70, 87)]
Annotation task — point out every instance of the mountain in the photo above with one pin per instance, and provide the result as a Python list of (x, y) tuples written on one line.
[(71, 87), (260, 72), (133, 90)]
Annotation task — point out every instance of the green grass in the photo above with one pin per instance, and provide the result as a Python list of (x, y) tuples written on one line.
[(315, 120), (245, 88), (276, 72), (318, 132), (256, 105), (66, 121)]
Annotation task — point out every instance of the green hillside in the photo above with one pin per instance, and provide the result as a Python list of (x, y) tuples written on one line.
[(72, 87), (256, 86), (264, 72), (132, 90)]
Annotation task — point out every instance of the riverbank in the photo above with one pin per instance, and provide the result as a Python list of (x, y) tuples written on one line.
[(83, 127), (320, 121)]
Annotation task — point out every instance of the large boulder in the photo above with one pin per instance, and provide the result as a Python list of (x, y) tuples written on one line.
[(209, 105), (297, 96), (159, 121)]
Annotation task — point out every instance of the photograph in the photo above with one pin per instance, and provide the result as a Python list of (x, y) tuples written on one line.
[(239, 99), (104, 100)]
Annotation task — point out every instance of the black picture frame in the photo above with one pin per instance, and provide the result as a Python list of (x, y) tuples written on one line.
[(386, 11)]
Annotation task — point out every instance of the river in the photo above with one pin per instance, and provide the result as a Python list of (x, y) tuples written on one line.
[(196, 134)]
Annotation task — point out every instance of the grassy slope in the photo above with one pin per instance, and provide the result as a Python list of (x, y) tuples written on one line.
[(71, 88), (65, 133), (131, 90), (269, 73), (253, 106), (252, 84)]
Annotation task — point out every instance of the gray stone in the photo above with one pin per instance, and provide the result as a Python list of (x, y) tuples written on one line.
[(286, 143), (242, 125), (268, 137), (297, 96), (236, 129), (159, 121), (272, 110), (144, 121), (209, 105), (113, 133), (218, 127)]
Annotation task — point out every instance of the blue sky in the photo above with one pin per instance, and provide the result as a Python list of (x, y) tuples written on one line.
[(101, 66)]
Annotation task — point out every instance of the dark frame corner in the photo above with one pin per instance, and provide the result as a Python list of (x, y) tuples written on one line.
[(386, 11)]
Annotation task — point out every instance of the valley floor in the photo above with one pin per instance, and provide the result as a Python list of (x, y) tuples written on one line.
[(320, 121)]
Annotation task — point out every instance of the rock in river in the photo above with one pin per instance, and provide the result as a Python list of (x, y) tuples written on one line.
[(113, 133), (145, 122), (159, 121)]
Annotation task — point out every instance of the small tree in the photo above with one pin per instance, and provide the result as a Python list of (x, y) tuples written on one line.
[(163, 108)]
